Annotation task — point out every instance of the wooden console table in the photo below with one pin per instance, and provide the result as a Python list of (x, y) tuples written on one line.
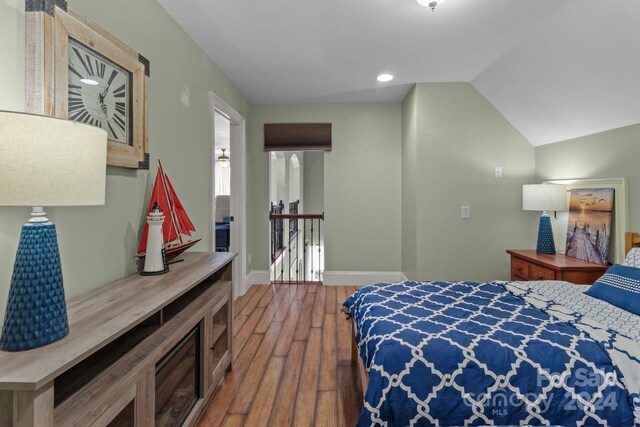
[(528, 265), (109, 369)]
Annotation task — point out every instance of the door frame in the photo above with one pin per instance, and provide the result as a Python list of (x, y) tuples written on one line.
[(238, 199)]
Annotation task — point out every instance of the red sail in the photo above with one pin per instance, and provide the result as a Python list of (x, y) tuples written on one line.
[(185, 224), (159, 195)]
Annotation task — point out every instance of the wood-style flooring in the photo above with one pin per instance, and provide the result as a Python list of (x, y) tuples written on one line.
[(292, 361)]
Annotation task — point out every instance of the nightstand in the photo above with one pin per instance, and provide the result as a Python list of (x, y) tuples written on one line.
[(528, 265)]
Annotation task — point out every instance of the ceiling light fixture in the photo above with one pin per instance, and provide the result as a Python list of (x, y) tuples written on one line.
[(430, 3), (385, 78), (223, 159)]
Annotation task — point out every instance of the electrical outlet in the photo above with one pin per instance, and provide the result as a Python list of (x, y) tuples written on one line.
[(249, 256), (465, 212), (498, 171)]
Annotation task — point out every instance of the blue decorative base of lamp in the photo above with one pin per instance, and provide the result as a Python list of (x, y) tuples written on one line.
[(36, 310), (545, 236)]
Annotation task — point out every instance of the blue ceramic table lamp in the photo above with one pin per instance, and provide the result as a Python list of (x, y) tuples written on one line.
[(44, 161), (545, 198)]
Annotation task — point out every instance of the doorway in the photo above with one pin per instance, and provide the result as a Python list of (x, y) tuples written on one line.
[(228, 187), (296, 216), (222, 172)]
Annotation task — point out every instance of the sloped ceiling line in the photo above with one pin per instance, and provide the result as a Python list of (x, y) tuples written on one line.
[(555, 69)]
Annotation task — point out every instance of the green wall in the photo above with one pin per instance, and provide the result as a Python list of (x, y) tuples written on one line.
[(409, 184), (313, 193), (97, 243), (460, 139), (362, 184), (611, 154)]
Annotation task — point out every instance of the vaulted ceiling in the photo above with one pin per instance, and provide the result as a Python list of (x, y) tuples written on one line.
[(556, 69)]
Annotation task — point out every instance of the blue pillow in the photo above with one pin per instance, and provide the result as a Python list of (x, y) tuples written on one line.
[(619, 286)]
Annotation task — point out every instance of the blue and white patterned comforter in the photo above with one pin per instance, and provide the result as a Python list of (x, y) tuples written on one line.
[(444, 353), (574, 297)]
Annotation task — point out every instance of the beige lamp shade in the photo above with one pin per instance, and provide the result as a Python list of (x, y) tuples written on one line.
[(46, 161), (544, 197)]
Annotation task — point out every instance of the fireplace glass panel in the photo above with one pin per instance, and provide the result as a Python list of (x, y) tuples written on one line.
[(177, 381)]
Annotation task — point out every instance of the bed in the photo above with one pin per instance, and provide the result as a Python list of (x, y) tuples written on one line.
[(497, 353), (223, 231), (223, 223)]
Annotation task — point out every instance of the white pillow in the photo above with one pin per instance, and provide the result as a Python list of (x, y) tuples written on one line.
[(633, 258)]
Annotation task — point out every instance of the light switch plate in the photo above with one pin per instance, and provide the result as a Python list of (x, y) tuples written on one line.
[(465, 212)]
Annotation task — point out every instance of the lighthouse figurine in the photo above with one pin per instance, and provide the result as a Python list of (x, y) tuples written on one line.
[(155, 261)]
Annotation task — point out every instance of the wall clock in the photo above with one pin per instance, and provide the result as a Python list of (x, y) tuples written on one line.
[(78, 71)]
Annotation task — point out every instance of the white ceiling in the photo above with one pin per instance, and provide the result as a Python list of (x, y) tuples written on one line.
[(556, 69)]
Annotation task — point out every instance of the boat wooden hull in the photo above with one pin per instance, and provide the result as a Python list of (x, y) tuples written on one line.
[(173, 251)]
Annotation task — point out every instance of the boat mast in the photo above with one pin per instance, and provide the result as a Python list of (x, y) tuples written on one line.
[(174, 218)]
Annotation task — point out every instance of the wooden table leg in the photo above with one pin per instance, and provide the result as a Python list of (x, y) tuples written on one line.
[(33, 408)]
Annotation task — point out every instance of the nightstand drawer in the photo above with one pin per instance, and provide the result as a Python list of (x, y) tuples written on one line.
[(520, 268), (541, 273), (530, 265)]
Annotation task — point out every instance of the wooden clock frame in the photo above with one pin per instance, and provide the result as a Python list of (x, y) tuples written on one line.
[(49, 24)]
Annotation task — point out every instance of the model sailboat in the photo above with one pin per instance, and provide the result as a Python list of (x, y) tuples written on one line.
[(176, 224)]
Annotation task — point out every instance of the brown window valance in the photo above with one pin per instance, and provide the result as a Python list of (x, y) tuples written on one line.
[(297, 136)]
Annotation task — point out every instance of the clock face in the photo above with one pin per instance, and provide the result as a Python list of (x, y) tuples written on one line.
[(99, 92)]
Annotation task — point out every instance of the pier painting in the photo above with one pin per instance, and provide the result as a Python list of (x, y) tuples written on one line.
[(589, 229)]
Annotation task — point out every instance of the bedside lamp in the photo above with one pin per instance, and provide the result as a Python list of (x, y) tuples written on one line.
[(44, 161), (544, 197)]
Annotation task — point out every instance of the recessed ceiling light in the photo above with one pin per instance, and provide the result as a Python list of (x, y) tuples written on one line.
[(385, 77), (89, 82)]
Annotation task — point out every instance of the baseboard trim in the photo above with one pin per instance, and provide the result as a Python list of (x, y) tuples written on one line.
[(333, 278), (257, 277), (360, 278)]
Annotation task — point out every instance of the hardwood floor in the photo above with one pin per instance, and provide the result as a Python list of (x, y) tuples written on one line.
[(292, 361)]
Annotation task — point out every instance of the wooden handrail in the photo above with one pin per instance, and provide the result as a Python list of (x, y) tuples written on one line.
[(296, 216)]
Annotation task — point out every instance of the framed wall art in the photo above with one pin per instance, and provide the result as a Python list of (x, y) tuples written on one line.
[(589, 224), (619, 216), (78, 71)]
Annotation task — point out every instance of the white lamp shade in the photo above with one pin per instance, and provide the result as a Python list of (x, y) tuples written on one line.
[(544, 197), (46, 161)]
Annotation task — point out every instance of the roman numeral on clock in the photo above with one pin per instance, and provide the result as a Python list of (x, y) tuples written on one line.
[(120, 108), (80, 116), (119, 93), (112, 131), (89, 63), (73, 70), (75, 104), (100, 67), (84, 64), (119, 121), (76, 107), (114, 73)]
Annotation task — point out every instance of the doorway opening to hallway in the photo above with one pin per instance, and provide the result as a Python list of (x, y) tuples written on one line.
[(296, 216)]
